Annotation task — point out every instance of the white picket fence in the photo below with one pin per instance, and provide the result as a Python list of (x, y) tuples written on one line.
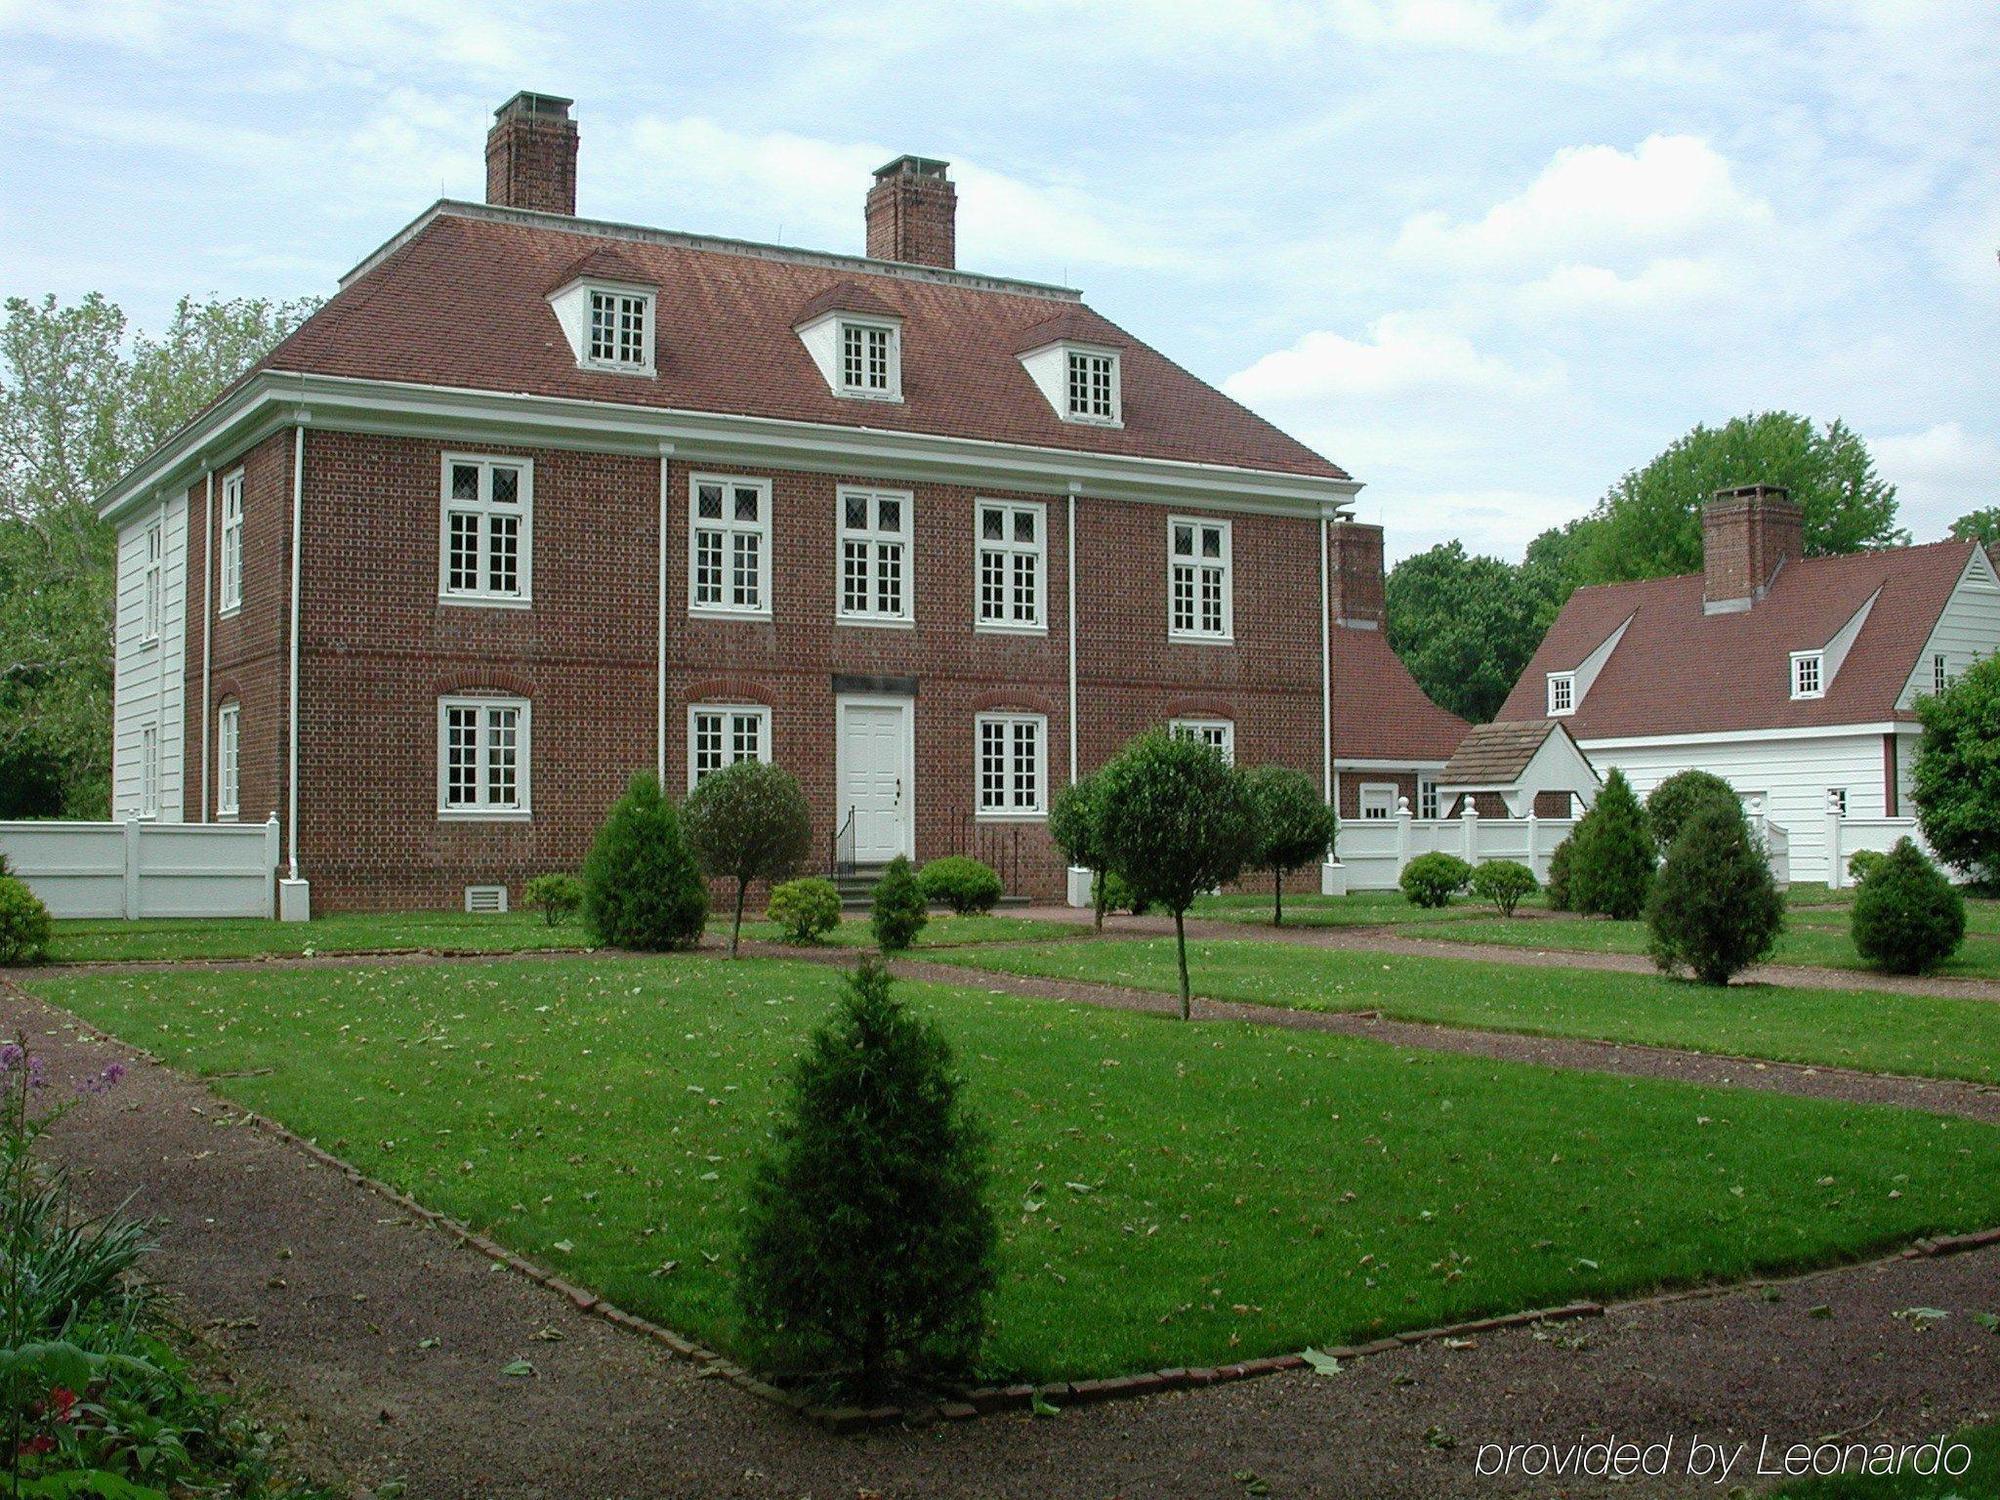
[(1847, 837), (138, 869)]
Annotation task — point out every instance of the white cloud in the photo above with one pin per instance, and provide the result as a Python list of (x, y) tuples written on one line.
[(1671, 282), (1405, 354), (1940, 473), (1490, 522)]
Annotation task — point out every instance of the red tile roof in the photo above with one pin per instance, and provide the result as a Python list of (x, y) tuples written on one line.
[(1680, 671), (1379, 712), (462, 302)]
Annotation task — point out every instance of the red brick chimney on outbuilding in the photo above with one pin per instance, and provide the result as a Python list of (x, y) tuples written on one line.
[(531, 155)]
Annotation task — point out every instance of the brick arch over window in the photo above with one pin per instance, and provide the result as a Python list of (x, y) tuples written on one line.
[(1012, 699), (729, 690), (486, 680), (226, 690), (1201, 708)]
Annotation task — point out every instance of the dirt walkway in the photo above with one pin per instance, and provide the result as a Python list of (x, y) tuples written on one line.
[(325, 1291)]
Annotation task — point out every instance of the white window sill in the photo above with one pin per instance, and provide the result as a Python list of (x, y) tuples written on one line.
[(484, 815), (230, 611), (605, 367), (1807, 697), (723, 612), (991, 627), (1080, 421), (487, 601), (875, 622), (147, 642), (1561, 713), (848, 394), (1009, 817), (1182, 638), (226, 815)]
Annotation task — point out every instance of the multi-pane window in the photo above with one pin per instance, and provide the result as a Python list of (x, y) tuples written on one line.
[(868, 359), (1093, 390), (149, 771), (722, 734), (1427, 798), (1562, 692), (228, 741), (1807, 674), (1378, 801), (1940, 674), (150, 582), (729, 548), (619, 336), (1011, 771), (1011, 552), (1217, 734), (230, 587), (488, 528), (874, 554), (482, 757), (1199, 601)]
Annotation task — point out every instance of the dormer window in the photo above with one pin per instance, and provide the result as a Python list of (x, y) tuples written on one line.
[(1093, 386), (607, 310), (855, 340), (621, 330), (869, 362), (1808, 674), (1562, 693), (1077, 369)]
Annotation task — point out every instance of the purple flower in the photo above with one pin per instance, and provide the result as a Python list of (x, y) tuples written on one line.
[(113, 1072), (11, 1054)]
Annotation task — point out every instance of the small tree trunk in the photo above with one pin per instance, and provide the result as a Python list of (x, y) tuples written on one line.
[(1180, 944), (1277, 898), (736, 931)]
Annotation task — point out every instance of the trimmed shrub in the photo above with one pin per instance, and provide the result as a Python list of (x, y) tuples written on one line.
[(1612, 864), (748, 821), (1713, 907), (899, 913), (641, 886), (1295, 826), (1113, 894), (1908, 918), (1670, 804), (805, 910), (1503, 882), (1865, 862), (556, 897), (1073, 826), (25, 928), (964, 885), (1433, 879), (1559, 875), (869, 1246)]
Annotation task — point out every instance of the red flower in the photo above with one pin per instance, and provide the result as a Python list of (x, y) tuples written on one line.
[(41, 1442), (61, 1403)]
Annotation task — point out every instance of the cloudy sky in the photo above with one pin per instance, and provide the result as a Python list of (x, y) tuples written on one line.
[(1487, 255)]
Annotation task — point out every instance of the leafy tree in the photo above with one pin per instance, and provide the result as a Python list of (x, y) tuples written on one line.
[(1431, 880), (1503, 882), (869, 1246), (899, 913), (1553, 565), (1908, 918), (1674, 801), (79, 405), (1612, 863), (642, 888), (1955, 782), (1713, 907), (805, 910), (1074, 827), (1981, 526), (1464, 626), (748, 821), (1176, 823), (1295, 826)]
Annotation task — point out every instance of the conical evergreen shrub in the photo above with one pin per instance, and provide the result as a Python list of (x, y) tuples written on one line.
[(1714, 908), (641, 886), (900, 910), (1612, 864)]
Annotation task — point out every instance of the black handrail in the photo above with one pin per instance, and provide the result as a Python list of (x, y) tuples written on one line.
[(843, 835)]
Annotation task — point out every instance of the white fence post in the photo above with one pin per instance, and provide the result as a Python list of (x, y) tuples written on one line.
[(131, 902), (1835, 865), (1534, 843), (271, 860), (1468, 822), (1402, 835)]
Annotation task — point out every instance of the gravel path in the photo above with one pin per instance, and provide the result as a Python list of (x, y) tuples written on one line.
[(326, 1292)]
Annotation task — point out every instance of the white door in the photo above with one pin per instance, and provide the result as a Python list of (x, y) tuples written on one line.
[(874, 776)]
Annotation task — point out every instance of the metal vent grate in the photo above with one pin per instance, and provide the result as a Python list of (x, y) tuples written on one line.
[(486, 898)]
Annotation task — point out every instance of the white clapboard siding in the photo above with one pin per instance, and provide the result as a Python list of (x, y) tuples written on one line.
[(1968, 628), (148, 681), (146, 869)]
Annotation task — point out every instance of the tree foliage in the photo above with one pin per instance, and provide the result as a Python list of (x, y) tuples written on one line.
[(1671, 804), (1908, 918), (25, 928), (642, 888), (1431, 880), (1981, 526), (1504, 882), (869, 1246), (1073, 824), (899, 912), (805, 910), (1713, 908), (1955, 782), (80, 403), (1295, 826), (748, 821), (1465, 626), (960, 884), (1611, 866)]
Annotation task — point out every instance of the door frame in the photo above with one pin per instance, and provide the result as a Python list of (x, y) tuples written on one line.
[(908, 708)]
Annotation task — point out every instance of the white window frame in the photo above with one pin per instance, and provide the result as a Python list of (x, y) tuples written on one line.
[(151, 582), (729, 713), (1091, 358), (1008, 550), (485, 508), (228, 759), (481, 810), (1940, 673), (728, 528), (1562, 694), (874, 540), (1813, 663), (1011, 811), (1836, 800), (1220, 733), (229, 554), (1225, 563), (1383, 794), (149, 770), (1429, 798), (892, 332), (623, 300)]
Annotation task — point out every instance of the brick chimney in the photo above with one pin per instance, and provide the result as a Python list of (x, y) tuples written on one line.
[(1746, 535), (531, 155), (913, 213), (1359, 594)]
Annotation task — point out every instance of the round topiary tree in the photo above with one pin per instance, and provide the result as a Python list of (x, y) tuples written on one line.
[(1670, 804), (1504, 882), (869, 1247), (641, 885), (961, 885), (1073, 824), (1431, 880), (899, 911), (1612, 864), (1176, 823), (1955, 781), (1908, 918), (25, 928), (1713, 907), (1295, 826), (748, 821)]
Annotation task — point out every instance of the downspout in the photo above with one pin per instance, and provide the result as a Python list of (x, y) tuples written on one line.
[(1326, 661), (208, 569), (292, 705), (660, 673), (1069, 609)]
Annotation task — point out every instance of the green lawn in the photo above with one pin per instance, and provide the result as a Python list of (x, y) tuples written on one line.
[(451, 932), (1169, 1195), (1944, 1038), (1360, 909), (1981, 1481)]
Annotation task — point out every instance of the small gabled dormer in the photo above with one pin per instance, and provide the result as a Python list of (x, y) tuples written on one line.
[(1813, 670), (856, 340), (1078, 369), (608, 311), (1566, 688)]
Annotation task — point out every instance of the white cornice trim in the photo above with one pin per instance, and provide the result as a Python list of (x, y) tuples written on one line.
[(1747, 736), (271, 398)]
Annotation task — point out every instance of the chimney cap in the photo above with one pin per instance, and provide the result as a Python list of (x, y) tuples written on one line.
[(912, 166), (528, 102), (1753, 492)]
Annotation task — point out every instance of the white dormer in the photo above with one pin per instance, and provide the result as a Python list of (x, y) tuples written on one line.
[(856, 341), (1813, 671), (1082, 381), (609, 322), (1562, 694), (1566, 688)]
